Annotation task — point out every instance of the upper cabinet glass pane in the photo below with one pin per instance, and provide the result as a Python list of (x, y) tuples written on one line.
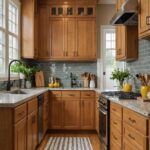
[(69, 11), (81, 11), (90, 11), (60, 11), (54, 12)]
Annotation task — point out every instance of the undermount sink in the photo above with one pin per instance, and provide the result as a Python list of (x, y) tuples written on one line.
[(18, 92)]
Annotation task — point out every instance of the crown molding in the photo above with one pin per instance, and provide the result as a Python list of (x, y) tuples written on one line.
[(106, 1)]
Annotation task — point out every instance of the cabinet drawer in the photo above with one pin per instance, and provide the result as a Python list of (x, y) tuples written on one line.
[(116, 109), (87, 94), (137, 121), (115, 136), (135, 138), (20, 112), (32, 105), (55, 93), (128, 146), (116, 123), (71, 94), (114, 146)]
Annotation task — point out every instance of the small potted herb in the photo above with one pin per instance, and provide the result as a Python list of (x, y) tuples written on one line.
[(24, 71)]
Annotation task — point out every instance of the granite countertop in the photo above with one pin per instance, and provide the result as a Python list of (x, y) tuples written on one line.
[(138, 106), (13, 100)]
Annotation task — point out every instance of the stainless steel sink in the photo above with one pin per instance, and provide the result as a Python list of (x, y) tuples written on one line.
[(18, 92)]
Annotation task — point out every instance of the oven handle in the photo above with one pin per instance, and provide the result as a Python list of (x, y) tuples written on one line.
[(102, 110)]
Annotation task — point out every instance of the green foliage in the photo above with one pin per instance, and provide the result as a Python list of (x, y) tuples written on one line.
[(22, 68), (120, 76)]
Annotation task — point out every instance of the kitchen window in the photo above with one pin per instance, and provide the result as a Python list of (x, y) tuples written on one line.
[(9, 33)]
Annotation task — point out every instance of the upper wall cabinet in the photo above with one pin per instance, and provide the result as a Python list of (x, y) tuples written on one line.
[(144, 19), (126, 43), (29, 34), (43, 28), (126, 40), (86, 39), (60, 32)]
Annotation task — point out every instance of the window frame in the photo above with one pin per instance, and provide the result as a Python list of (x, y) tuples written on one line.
[(4, 76)]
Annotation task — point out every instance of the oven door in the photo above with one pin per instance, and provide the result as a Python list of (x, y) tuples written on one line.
[(103, 126)]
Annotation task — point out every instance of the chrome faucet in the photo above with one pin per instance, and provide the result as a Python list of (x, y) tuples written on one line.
[(8, 81)]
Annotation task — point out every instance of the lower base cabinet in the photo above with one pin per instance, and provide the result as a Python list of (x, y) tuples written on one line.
[(55, 113), (20, 135), (87, 113), (71, 114), (32, 130), (72, 110), (128, 129)]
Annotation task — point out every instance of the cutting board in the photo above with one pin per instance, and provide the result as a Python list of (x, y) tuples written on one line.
[(39, 79)]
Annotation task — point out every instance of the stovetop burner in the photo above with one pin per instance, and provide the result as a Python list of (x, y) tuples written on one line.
[(122, 95)]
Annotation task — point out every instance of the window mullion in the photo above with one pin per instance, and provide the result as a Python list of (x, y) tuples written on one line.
[(6, 39)]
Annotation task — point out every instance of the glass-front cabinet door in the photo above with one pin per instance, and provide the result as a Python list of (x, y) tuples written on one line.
[(57, 11), (86, 11), (70, 11)]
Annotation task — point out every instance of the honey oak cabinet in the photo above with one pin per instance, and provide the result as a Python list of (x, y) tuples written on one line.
[(70, 38), (116, 135), (59, 31), (45, 112), (55, 110), (32, 131), (19, 128), (29, 29), (144, 19), (62, 38), (87, 110), (71, 113), (128, 129), (86, 39), (126, 40), (43, 30), (20, 135), (72, 110), (32, 124), (87, 117), (55, 113), (56, 38), (125, 49)]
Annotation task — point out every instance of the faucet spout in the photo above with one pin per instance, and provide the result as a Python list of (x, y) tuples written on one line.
[(8, 81)]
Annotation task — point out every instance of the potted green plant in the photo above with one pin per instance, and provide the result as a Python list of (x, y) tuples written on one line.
[(120, 76), (25, 71)]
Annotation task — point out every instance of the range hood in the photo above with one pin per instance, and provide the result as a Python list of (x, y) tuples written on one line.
[(127, 15)]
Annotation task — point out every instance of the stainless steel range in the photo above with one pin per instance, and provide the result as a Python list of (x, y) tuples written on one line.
[(104, 114)]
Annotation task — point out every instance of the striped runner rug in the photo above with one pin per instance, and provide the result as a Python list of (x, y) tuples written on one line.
[(68, 143)]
